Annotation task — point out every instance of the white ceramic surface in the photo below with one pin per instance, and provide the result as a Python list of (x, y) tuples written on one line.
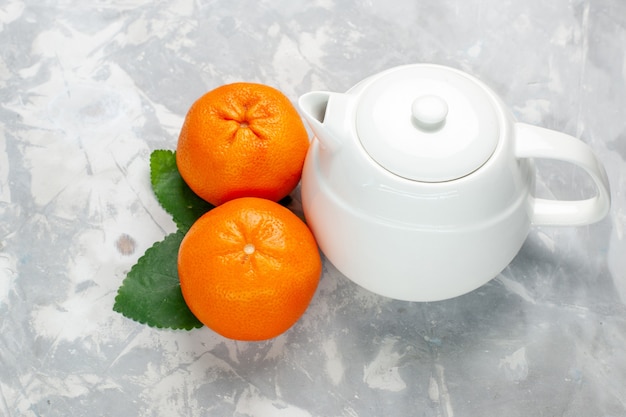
[(424, 206)]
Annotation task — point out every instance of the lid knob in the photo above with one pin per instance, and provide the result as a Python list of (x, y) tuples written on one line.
[(429, 112)]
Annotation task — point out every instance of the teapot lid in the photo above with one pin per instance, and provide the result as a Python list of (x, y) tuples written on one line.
[(427, 123)]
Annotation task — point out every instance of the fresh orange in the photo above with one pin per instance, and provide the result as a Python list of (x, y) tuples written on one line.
[(242, 140), (248, 268)]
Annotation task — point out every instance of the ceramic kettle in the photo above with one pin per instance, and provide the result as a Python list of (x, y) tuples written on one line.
[(419, 183)]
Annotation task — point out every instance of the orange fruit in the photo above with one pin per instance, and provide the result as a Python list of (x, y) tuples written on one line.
[(242, 140), (249, 268)]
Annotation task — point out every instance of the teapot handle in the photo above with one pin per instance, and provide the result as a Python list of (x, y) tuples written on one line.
[(536, 142)]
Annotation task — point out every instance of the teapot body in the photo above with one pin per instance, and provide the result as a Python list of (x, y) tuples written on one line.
[(411, 240), (419, 183)]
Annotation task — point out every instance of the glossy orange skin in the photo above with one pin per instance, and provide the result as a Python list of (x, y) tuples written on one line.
[(248, 292), (242, 140)]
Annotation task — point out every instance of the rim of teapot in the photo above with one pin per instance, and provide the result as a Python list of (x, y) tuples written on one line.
[(423, 122)]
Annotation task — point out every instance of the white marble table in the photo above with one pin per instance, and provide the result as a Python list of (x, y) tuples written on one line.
[(89, 89)]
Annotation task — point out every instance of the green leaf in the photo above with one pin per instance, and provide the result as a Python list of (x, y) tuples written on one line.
[(172, 192), (151, 293)]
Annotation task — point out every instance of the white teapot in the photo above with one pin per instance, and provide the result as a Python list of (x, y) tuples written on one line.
[(419, 183)]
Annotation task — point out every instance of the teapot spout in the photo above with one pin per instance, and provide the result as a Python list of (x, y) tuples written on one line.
[(314, 106), (315, 110)]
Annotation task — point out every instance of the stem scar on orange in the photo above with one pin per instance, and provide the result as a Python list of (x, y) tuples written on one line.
[(242, 140), (249, 268)]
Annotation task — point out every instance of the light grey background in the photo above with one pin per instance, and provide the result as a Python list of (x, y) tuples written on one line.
[(89, 89)]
